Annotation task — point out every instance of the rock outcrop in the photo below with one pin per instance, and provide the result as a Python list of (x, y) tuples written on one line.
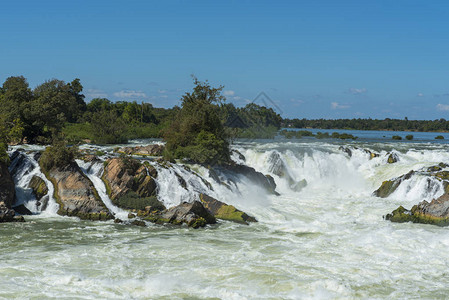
[(76, 194), (265, 181), (8, 215), (389, 186), (7, 188), (150, 150), (192, 214), (40, 190), (130, 184), (392, 158), (437, 172), (223, 211), (435, 212)]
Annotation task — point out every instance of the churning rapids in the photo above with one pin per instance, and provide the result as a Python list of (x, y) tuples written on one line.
[(324, 236)]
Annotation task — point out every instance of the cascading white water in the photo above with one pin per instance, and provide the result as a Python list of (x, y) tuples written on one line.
[(94, 171), (326, 240), (23, 168)]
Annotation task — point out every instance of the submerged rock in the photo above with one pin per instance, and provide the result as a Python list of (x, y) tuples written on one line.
[(436, 212), (130, 184), (76, 195), (223, 211), (7, 188)]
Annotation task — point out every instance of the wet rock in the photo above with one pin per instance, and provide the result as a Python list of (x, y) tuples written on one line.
[(21, 209), (7, 188), (223, 211), (265, 181), (150, 150), (76, 194), (435, 212), (238, 154), (38, 186), (130, 184), (8, 214), (392, 158), (346, 150), (389, 186), (193, 214), (277, 165)]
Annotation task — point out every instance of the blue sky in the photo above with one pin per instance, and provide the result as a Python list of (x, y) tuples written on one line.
[(314, 59)]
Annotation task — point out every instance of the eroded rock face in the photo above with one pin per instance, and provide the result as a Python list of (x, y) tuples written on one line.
[(7, 189), (150, 150), (8, 214), (38, 186), (76, 194), (129, 183), (435, 212), (223, 211), (392, 158)]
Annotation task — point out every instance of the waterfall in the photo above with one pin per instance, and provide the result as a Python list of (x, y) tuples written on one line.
[(22, 168), (94, 171)]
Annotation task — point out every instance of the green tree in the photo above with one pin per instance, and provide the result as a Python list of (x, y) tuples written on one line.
[(108, 128), (55, 103), (197, 133)]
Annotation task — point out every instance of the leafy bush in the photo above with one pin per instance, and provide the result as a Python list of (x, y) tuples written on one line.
[(132, 200), (396, 137), (57, 156), (409, 137), (439, 137)]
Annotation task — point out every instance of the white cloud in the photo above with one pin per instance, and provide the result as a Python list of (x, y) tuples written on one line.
[(443, 107), (355, 91), (94, 93), (130, 94), (228, 93), (336, 105), (162, 91), (420, 94)]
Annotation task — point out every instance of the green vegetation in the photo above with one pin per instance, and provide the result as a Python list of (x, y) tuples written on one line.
[(299, 134), (396, 137), (370, 124), (439, 137), (197, 133), (57, 155), (409, 137)]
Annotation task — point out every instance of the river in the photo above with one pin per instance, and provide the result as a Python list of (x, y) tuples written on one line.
[(325, 240)]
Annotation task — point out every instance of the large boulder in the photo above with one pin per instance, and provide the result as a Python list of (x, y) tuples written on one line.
[(435, 212), (192, 214), (129, 183), (389, 186), (8, 215), (223, 211), (76, 195), (7, 188), (265, 181)]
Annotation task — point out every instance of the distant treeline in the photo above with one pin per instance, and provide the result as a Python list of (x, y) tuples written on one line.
[(370, 124), (58, 110)]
